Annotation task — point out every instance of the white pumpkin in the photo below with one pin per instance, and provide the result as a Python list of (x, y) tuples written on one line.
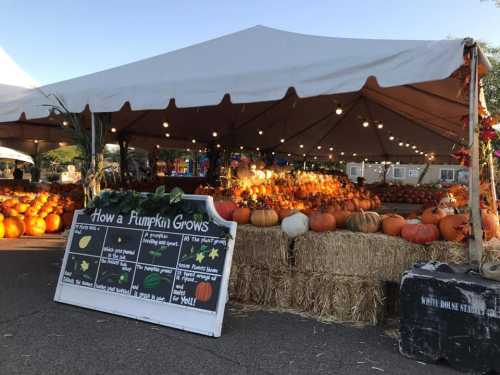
[(295, 225)]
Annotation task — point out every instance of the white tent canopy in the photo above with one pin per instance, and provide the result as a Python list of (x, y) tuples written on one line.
[(243, 82), (10, 154)]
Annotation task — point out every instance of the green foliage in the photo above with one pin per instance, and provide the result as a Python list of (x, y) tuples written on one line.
[(62, 155), (491, 82)]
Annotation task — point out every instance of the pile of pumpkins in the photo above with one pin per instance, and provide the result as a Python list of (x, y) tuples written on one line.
[(34, 214), (424, 194), (434, 223)]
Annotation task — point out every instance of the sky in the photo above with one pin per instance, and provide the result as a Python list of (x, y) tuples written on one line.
[(53, 40)]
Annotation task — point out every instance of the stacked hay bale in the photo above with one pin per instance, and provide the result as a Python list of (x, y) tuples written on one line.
[(260, 272)]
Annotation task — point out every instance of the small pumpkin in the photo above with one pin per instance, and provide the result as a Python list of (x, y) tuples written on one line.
[(295, 225), (454, 227), (364, 221), (53, 223), (266, 217), (14, 227), (490, 224), (35, 226), (433, 215), (420, 233), (322, 222), (242, 215), (225, 209), (392, 224), (204, 291)]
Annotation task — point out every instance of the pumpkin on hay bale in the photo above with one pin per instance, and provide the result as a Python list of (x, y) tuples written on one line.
[(339, 298)]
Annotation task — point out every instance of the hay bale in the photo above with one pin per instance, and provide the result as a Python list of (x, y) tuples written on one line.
[(261, 247), (263, 286), (373, 255), (233, 280), (338, 298)]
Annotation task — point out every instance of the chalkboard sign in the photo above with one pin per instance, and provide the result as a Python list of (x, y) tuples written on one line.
[(172, 271)]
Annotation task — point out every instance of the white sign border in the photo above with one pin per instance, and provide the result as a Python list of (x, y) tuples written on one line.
[(166, 314)]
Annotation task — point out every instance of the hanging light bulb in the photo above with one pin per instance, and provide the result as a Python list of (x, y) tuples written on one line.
[(400, 144), (272, 153), (260, 132), (413, 147), (421, 152), (35, 141), (289, 155), (342, 153), (167, 135), (330, 156), (65, 123), (193, 141), (318, 147), (214, 134), (391, 138), (157, 146), (380, 125), (339, 109), (218, 145), (331, 149), (165, 124), (301, 146), (113, 130), (258, 148), (188, 149), (366, 124), (407, 145), (241, 147), (304, 155), (354, 154), (62, 144), (315, 158), (366, 159), (416, 151), (282, 140)]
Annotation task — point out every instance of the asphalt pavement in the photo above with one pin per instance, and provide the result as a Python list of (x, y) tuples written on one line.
[(39, 336)]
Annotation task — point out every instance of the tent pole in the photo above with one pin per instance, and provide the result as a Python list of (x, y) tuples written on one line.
[(92, 142), (476, 238), (491, 165)]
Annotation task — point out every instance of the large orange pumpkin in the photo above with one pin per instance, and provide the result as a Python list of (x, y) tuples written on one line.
[(454, 227), (242, 215), (392, 224), (225, 209), (322, 222), (14, 227), (420, 233), (204, 291), (264, 218), (35, 226), (490, 224), (53, 223), (433, 215)]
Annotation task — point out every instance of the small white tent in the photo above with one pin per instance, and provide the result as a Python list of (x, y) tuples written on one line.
[(10, 154)]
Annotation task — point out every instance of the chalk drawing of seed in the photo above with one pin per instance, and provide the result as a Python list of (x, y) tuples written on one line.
[(84, 241)]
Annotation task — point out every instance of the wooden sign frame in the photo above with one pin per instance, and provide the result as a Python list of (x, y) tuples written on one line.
[(163, 313)]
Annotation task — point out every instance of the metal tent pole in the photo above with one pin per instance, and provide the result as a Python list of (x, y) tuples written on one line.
[(476, 238)]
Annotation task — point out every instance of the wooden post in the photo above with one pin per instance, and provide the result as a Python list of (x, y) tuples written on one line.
[(123, 143), (476, 238), (491, 165)]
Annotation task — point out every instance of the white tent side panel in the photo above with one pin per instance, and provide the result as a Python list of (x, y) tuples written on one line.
[(254, 65)]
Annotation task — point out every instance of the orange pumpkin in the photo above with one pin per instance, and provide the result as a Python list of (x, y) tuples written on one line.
[(35, 226), (21, 207), (53, 223), (1, 217), (420, 233), (9, 203), (31, 212), (10, 212), (433, 215), (14, 227), (490, 224), (204, 291), (322, 222), (242, 215), (454, 227), (225, 209), (392, 224)]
